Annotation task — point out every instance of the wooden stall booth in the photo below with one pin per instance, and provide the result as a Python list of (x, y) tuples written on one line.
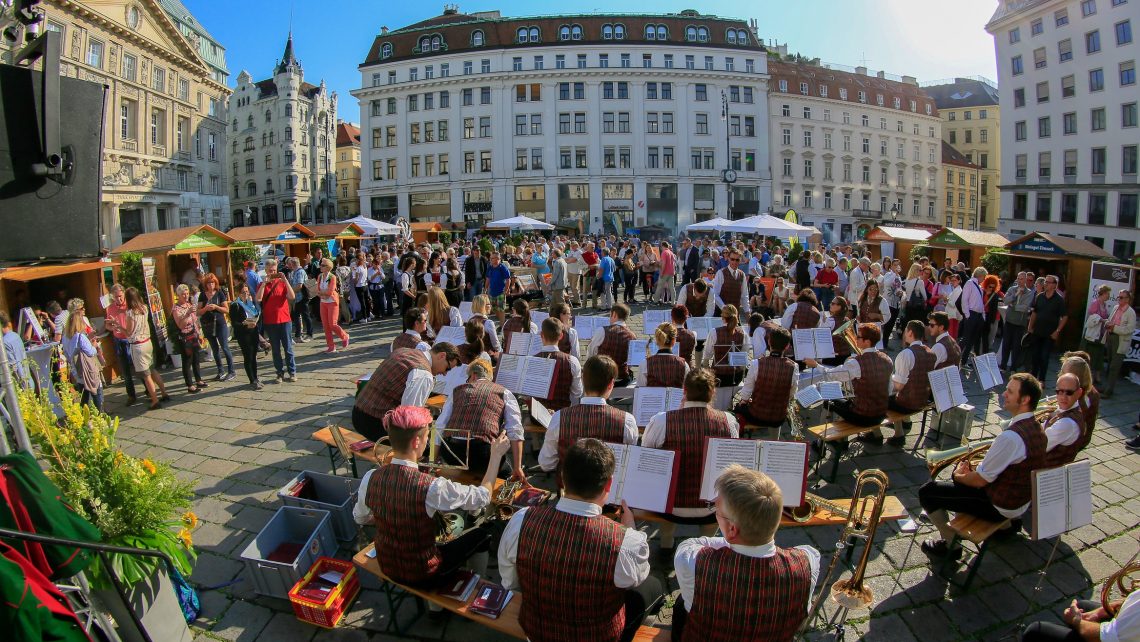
[(286, 239), (895, 242), (179, 253), (345, 234), (426, 232), (966, 246), (1070, 260)]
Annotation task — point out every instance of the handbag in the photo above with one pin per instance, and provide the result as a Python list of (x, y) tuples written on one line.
[(1094, 329)]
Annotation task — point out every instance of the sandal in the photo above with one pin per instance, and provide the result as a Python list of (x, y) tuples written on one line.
[(201, 384), (154, 406), (192, 390)]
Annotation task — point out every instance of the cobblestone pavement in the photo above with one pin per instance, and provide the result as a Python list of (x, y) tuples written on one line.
[(241, 446)]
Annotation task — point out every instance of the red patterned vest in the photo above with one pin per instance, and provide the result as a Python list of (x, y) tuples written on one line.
[(696, 304), (687, 339), (511, 326), (1013, 487), (916, 392), (805, 316), (405, 340), (1065, 454), (953, 352), (665, 369), (615, 345), (405, 535), (738, 598), (385, 389), (566, 568), (685, 432), (774, 389), (871, 312), (600, 421), (564, 343), (561, 382), (871, 387), (478, 407), (727, 342), (731, 287)]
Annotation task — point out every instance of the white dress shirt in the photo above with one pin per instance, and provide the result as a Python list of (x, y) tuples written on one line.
[(972, 302), (710, 307), (1125, 627), (596, 341), (904, 363), (786, 320), (632, 566), (939, 350), (510, 422), (718, 283), (548, 456), (572, 335), (759, 342), (419, 384), (708, 355), (443, 495), (575, 371), (1007, 449), (856, 283), (685, 562), (1062, 432), (655, 432), (754, 371)]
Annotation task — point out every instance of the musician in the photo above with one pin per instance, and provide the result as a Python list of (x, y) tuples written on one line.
[(1088, 620), (730, 287), (727, 338), (1001, 486), (592, 417), (873, 308), (568, 343), (405, 378), (415, 320), (613, 341), (684, 431), (663, 369), (403, 501), (945, 348), (1077, 363), (696, 299), (585, 577), (835, 318), (870, 373), (566, 385), (519, 322), (487, 410), (1065, 428), (686, 338), (910, 387), (742, 586), (804, 313), (770, 383)]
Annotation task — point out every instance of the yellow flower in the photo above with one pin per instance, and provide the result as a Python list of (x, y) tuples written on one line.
[(149, 466), (190, 519), (79, 465), (184, 536), (118, 458)]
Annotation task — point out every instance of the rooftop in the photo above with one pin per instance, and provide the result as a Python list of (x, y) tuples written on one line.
[(963, 92)]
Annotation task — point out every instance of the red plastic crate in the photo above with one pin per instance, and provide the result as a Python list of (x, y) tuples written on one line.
[(326, 614)]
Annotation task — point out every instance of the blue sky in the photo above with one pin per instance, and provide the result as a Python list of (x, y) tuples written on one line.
[(927, 39)]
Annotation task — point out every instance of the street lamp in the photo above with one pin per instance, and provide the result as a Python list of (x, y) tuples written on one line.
[(894, 212)]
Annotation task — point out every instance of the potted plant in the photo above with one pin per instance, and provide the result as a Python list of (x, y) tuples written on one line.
[(134, 502)]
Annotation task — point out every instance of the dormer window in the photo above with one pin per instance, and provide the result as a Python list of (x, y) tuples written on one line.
[(662, 32), (576, 32), (533, 34), (737, 36), (691, 33), (527, 34), (564, 32), (607, 32), (619, 32), (385, 50), (477, 38), (430, 43)]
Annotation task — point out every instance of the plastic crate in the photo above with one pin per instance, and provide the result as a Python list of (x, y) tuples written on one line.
[(309, 529), (328, 613), (333, 493)]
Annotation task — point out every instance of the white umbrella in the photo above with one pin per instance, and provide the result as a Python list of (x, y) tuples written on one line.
[(519, 223), (712, 225), (766, 225), (372, 227)]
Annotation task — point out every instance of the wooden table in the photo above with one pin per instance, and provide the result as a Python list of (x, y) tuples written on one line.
[(325, 436)]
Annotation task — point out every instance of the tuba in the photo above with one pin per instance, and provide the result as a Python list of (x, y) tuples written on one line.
[(862, 522), (1117, 580)]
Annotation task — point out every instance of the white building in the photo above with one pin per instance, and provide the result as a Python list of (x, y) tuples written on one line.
[(282, 143), (848, 148), (612, 120), (1069, 137)]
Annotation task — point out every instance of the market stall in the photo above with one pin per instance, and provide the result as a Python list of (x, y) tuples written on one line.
[(966, 246), (1070, 260), (177, 255), (426, 232), (286, 239), (343, 234), (895, 242)]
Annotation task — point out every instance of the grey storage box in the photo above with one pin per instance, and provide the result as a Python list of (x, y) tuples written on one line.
[(286, 549), (333, 493)]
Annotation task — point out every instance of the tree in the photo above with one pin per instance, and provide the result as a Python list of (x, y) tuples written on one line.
[(131, 272), (996, 260), (918, 252)]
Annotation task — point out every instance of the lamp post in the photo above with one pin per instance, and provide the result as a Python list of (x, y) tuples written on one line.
[(894, 212), (727, 156)]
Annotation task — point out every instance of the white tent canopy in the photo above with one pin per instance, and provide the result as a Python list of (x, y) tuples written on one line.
[(373, 227), (712, 225), (766, 225), (519, 223)]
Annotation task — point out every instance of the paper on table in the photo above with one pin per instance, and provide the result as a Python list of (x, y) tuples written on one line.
[(722, 453), (451, 334), (809, 396), (537, 377), (786, 463), (653, 318), (507, 375), (539, 413), (637, 348)]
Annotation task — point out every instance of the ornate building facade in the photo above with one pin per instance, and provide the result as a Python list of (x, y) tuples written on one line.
[(282, 140)]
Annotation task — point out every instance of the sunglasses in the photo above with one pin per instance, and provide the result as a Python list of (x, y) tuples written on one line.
[(1067, 393)]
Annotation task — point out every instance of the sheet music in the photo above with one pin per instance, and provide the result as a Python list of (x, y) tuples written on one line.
[(465, 310), (537, 317), (1080, 494), (587, 325), (654, 348), (738, 359), (703, 326), (989, 374), (637, 348), (809, 396), (647, 402), (510, 367), (647, 479), (1050, 505), (831, 390), (653, 318), (946, 386), (812, 343), (536, 377), (525, 343), (451, 334), (539, 413), (722, 453), (786, 463)]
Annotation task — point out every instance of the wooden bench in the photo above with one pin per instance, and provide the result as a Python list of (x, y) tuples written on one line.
[(325, 436), (507, 623), (978, 532), (893, 510), (836, 434)]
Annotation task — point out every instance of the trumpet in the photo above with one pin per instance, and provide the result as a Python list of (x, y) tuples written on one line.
[(501, 506), (939, 460)]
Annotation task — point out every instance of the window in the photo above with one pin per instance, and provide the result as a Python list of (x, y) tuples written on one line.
[(581, 61), (1020, 163), (807, 168), (1018, 97), (1088, 7), (1036, 28), (787, 167), (604, 61), (787, 136), (1128, 115), (413, 103), (1097, 119), (1015, 65), (1092, 41), (1044, 164), (1069, 123), (468, 128), (1096, 80), (702, 92), (1043, 127), (1099, 161), (1043, 92), (564, 123), (1014, 35), (623, 122), (1068, 208), (623, 90), (1068, 87), (94, 53), (1097, 206), (485, 66), (127, 115), (1127, 211), (580, 122), (1123, 32), (1061, 17), (708, 63), (467, 68), (1127, 73), (1065, 50)]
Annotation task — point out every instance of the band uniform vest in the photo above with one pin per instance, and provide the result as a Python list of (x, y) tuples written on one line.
[(405, 534), (615, 345), (405, 340), (511, 326), (726, 342), (561, 382), (566, 568), (769, 596), (564, 344), (871, 387), (773, 390), (1065, 454), (478, 407), (385, 389), (953, 352), (731, 287), (870, 312), (600, 421), (685, 433), (687, 339), (665, 369), (696, 304), (915, 394), (1013, 487), (805, 316), (1090, 407)]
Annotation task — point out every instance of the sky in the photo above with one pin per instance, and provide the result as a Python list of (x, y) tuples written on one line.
[(928, 39)]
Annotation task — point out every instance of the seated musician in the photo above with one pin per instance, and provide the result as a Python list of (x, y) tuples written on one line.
[(663, 369), (1079, 363), (804, 313), (870, 373), (910, 386), (683, 431), (519, 322), (582, 575), (406, 378), (1065, 429), (487, 410), (613, 341), (590, 418), (945, 348), (569, 341), (696, 299), (742, 586), (415, 320), (403, 501), (838, 311), (1000, 488), (1088, 620), (480, 308), (566, 385), (729, 337), (686, 338), (770, 384)]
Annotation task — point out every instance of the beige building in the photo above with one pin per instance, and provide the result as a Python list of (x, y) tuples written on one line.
[(971, 125), (960, 185), (164, 124), (348, 168)]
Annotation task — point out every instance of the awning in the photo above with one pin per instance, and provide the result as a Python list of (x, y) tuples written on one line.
[(36, 272)]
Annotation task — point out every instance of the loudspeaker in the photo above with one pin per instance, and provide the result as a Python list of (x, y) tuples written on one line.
[(41, 218)]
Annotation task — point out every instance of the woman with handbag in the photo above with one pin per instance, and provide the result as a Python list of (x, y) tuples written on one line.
[(244, 312), (141, 348), (648, 264), (185, 315), (83, 357), (213, 305), (1093, 338)]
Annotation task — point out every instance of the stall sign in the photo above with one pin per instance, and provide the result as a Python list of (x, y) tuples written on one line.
[(1133, 354), (290, 235), (1039, 245), (201, 239)]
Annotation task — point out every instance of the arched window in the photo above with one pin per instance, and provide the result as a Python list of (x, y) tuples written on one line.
[(268, 115), (477, 38), (607, 32), (251, 189), (564, 32), (248, 143), (619, 32), (425, 44), (288, 133), (650, 32), (731, 36), (520, 35), (386, 50), (235, 146), (288, 110), (534, 34), (702, 34), (691, 33), (269, 186), (662, 32), (576, 32), (436, 42)]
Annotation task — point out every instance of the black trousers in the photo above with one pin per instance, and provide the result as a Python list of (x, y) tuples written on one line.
[(371, 427), (247, 341), (1011, 345), (889, 326), (630, 286), (1050, 632), (845, 410), (970, 335), (958, 498), (1040, 348)]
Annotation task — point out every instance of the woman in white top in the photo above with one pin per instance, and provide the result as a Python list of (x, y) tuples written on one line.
[(327, 290), (82, 355), (142, 348), (781, 294), (481, 309), (953, 297), (439, 313)]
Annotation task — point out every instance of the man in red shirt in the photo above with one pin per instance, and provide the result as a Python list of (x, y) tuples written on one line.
[(274, 295), (590, 258), (116, 323), (665, 293)]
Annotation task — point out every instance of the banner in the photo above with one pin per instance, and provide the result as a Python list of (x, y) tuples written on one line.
[(154, 300), (1114, 275)]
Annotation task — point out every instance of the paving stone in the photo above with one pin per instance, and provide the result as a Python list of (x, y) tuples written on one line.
[(251, 518), (212, 570), (931, 622), (242, 621), (285, 627), (890, 628), (968, 614)]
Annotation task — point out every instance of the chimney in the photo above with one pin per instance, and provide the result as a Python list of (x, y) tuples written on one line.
[(881, 74), (383, 31), (450, 9), (862, 71), (910, 80)]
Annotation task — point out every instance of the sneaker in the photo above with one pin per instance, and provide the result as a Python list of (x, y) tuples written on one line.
[(220, 376), (1133, 443), (229, 375), (280, 378), (345, 344), (330, 351), (290, 377), (257, 385)]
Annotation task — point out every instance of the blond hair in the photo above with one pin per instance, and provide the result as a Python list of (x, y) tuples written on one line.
[(438, 309), (665, 336), (752, 501), (481, 304)]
